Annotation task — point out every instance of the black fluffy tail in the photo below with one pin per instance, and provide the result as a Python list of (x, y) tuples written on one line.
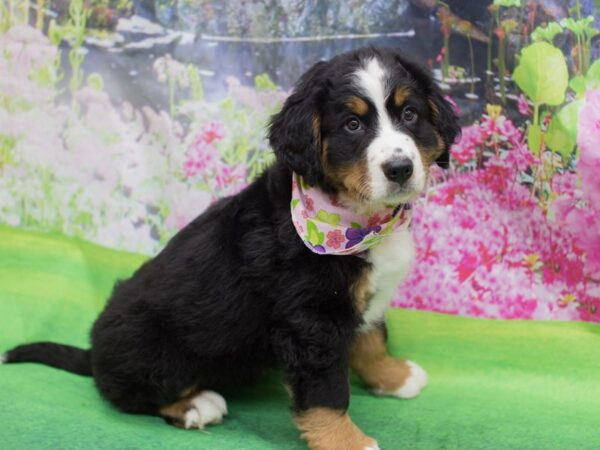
[(65, 357)]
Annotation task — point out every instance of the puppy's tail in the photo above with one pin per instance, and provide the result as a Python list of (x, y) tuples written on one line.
[(65, 357)]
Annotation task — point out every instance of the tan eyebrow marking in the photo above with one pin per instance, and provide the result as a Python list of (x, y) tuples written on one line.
[(357, 105), (401, 93)]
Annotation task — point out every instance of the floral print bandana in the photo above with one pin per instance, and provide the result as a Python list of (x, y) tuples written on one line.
[(327, 227)]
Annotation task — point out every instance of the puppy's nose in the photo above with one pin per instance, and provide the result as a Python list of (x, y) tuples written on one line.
[(398, 170)]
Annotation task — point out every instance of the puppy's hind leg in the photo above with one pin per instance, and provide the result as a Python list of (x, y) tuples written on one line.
[(195, 410)]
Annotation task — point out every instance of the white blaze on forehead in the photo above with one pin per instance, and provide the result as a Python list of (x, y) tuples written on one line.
[(372, 80), (389, 143)]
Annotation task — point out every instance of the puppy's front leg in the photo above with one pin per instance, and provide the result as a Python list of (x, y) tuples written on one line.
[(370, 360), (316, 374)]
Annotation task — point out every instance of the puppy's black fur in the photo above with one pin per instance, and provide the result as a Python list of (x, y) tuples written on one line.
[(237, 292)]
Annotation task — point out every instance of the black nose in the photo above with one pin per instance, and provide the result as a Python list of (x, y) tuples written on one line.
[(398, 170)]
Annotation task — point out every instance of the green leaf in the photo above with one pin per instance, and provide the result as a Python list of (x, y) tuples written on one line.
[(330, 218), (95, 81), (577, 84), (547, 33), (314, 236), (558, 139), (592, 77), (372, 241), (355, 225), (561, 136), (508, 3), (542, 74), (534, 138), (262, 82), (295, 202), (582, 27)]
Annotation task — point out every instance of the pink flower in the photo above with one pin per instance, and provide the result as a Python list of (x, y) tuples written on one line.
[(231, 178), (335, 239), (520, 157), (588, 140), (212, 131), (501, 127), (465, 150), (309, 203), (202, 153), (440, 56), (522, 105)]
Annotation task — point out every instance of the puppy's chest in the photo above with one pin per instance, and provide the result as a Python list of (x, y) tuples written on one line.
[(390, 263)]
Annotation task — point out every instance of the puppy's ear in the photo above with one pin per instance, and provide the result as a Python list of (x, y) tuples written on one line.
[(295, 132), (443, 117), (445, 122)]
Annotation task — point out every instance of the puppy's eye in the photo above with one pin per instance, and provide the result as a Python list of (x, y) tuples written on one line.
[(409, 115), (353, 124)]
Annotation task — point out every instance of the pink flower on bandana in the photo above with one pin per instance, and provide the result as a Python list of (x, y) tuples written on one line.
[(374, 220), (377, 220), (335, 239), (310, 204), (328, 228)]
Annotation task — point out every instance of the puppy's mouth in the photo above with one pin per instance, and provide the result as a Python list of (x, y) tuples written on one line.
[(397, 194)]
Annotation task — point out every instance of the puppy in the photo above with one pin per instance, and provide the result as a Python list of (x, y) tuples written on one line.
[(256, 282)]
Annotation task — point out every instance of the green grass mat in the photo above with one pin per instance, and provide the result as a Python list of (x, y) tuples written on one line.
[(493, 385)]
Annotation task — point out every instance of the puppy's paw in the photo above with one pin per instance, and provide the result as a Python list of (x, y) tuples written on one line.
[(373, 446), (328, 429), (414, 383), (206, 408)]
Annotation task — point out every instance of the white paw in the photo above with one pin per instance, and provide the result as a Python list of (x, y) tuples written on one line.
[(414, 384), (376, 447), (207, 408)]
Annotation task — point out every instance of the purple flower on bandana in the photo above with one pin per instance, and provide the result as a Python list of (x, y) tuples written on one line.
[(317, 248), (356, 235), (335, 239)]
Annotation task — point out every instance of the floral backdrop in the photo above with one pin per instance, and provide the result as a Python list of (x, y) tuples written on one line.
[(121, 121)]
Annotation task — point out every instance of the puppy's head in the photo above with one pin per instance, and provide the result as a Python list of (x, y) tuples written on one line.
[(367, 125)]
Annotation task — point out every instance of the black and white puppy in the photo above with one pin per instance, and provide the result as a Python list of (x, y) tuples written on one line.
[(237, 292)]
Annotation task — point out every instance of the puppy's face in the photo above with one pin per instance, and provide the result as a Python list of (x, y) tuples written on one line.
[(375, 123)]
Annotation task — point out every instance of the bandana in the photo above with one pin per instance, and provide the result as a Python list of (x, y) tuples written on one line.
[(327, 227)]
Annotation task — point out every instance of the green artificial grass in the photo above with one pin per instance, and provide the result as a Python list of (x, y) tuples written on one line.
[(492, 384)]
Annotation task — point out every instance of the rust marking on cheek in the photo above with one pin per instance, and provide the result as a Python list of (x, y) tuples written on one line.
[(361, 292), (401, 93), (325, 429), (357, 105), (370, 361), (355, 181), (351, 181), (430, 154)]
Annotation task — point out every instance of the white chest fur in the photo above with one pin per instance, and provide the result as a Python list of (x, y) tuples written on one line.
[(391, 261)]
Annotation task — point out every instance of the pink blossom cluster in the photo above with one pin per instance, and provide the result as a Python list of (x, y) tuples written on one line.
[(204, 162), (579, 210), (489, 134), (488, 247), (588, 140)]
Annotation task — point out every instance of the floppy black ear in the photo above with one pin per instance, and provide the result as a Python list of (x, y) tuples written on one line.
[(445, 122), (294, 132), (444, 119)]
